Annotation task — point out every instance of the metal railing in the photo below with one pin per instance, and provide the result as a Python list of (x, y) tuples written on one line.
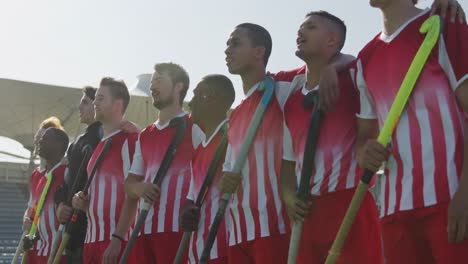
[(14, 173)]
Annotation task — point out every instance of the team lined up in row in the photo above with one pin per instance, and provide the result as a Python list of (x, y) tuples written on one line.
[(424, 194)]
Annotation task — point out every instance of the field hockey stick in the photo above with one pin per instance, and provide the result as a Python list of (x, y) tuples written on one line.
[(210, 175), (180, 125), (432, 28), (28, 241), (78, 177), (71, 224), (19, 249), (306, 172), (268, 86)]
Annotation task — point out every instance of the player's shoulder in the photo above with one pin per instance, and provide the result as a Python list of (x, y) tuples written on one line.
[(148, 132), (132, 137), (126, 135), (188, 118), (289, 75), (148, 129), (235, 111), (294, 99), (369, 48), (454, 28), (38, 170), (60, 170), (62, 167), (36, 175), (120, 138), (347, 73), (244, 109), (189, 124)]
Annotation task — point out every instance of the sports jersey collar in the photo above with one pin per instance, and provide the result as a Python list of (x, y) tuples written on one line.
[(160, 126), (253, 89), (387, 39), (205, 142), (55, 166), (111, 135), (305, 91)]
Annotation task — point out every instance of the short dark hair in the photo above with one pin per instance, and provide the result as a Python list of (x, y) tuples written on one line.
[(259, 36), (177, 74), (224, 89), (61, 137), (415, 2), (335, 20), (90, 92), (118, 90)]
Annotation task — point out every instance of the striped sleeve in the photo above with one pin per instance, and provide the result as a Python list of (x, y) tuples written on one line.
[(125, 158), (137, 163), (190, 194), (288, 152), (453, 52), (227, 166), (367, 105)]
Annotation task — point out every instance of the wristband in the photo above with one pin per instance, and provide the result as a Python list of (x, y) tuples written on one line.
[(118, 237)]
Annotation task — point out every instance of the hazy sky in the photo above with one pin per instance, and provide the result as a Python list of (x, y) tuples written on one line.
[(75, 43)]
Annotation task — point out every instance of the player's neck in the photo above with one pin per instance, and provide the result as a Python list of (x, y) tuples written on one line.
[(110, 126), (249, 79), (314, 68), (89, 122), (50, 163), (210, 126), (396, 14), (169, 112), (42, 163)]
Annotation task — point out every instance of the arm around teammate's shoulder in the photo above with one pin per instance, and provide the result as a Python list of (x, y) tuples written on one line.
[(329, 91)]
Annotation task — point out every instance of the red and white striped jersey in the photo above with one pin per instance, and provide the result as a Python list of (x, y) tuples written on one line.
[(106, 192), (48, 224), (335, 166), (427, 145), (36, 175), (150, 149), (257, 210), (200, 164)]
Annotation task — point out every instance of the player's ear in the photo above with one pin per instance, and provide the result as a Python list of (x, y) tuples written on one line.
[(259, 52), (333, 39), (118, 105), (178, 88)]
